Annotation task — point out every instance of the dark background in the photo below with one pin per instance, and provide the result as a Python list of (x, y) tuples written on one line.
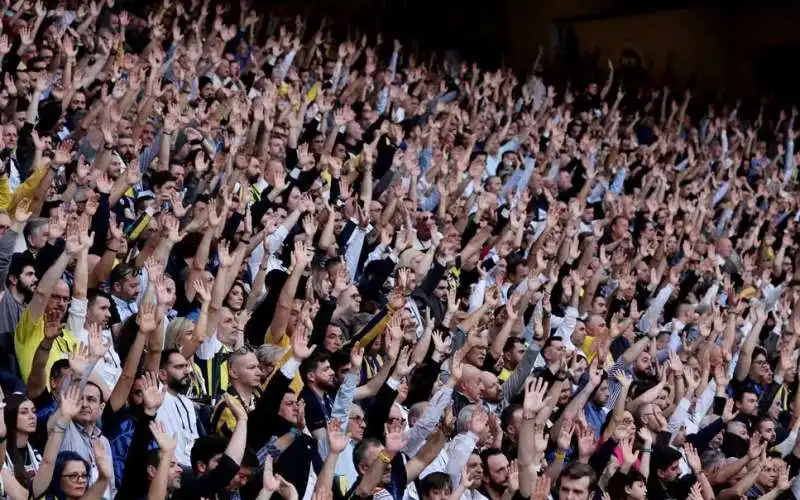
[(743, 47)]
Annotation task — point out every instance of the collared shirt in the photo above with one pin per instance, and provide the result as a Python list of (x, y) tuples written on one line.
[(78, 440), (109, 369), (125, 308), (179, 418)]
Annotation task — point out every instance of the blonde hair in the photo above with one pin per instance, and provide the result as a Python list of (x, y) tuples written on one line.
[(174, 330)]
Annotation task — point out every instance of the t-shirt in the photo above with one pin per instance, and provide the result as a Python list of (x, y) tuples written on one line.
[(27, 337)]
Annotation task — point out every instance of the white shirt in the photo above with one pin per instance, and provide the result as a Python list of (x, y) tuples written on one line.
[(179, 419), (109, 369)]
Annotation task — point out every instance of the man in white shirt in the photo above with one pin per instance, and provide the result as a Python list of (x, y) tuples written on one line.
[(96, 310), (177, 412)]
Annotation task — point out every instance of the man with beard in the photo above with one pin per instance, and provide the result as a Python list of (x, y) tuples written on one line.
[(20, 285), (177, 412), (318, 383), (495, 477)]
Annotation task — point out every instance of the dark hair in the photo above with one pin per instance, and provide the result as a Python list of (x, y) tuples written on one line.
[(507, 415), (312, 362), (95, 294), (58, 367), (153, 458), (744, 390), (487, 454), (13, 402), (99, 389), (122, 271), (158, 179), (241, 285), (166, 354), (511, 343), (205, 448), (19, 261), (578, 470), (58, 470), (360, 451), (434, 481)]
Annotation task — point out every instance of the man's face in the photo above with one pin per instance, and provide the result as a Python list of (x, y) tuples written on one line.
[(78, 102), (637, 491), (369, 458), (128, 287), (289, 408), (477, 355), (574, 489), (99, 312), (10, 136), (514, 355), (175, 473), (356, 423), (498, 472), (554, 351), (644, 363), (246, 370), (601, 396), (177, 373), (91, 405), (672, 472), (241, 479), (26, 283), (767, 430), (333, 338), (136, 397), (5, 223), (748, 404), (59, 300)]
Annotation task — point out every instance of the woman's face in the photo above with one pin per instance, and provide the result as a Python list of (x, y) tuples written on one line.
[(236, 298), (26, 417), (294, 199), (74, 479)]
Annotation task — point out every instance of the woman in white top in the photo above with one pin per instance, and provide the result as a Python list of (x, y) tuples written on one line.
[(21, 458)]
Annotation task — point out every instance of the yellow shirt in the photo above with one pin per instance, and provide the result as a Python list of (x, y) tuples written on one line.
[(29, 335), (586, 347)]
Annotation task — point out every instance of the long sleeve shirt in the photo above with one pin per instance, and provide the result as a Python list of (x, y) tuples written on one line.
[(418, 434)]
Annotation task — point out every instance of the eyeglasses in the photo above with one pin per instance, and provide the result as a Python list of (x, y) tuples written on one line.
[(357, 419), (76, 477)]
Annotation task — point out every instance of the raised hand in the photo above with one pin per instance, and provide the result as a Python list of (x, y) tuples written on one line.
[(564, 441), (541, 487), (70, 403), (356, 358), (166, 443), (535, 390), (337, 439), (236, 408), (396, 438), (404, 367), (479, 421), (300, 348), (152, 392), (79, 358), (692, 458), (97, 348), (146, 317)]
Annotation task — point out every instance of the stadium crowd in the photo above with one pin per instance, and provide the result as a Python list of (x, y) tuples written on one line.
[(241, 258)]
